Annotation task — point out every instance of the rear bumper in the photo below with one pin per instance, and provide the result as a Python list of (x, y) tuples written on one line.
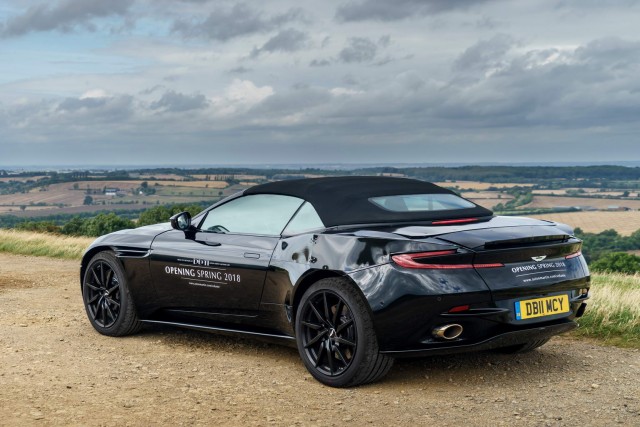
[(502, 340)]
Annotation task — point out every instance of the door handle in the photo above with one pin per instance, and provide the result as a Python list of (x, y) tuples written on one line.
[(251, 255)]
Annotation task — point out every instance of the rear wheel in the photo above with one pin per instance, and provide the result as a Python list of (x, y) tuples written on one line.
[(523, 348), (106, 297), (335, 335)]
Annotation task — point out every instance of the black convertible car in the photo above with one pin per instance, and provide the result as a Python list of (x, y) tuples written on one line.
[(355, 271)]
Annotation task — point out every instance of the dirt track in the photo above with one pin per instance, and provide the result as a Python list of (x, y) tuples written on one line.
[(55, 369)]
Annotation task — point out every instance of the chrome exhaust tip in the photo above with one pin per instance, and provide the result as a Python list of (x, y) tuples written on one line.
[(447, 332)]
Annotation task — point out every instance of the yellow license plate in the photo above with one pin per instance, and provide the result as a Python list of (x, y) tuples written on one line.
[(539, 307)]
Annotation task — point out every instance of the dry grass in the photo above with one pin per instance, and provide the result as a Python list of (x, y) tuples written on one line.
[(624, 223), (40, 244), (613, 313)]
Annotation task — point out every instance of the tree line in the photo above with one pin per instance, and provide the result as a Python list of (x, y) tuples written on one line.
[(104, 222)]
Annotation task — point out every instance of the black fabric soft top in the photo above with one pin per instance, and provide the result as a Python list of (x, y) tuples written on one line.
[(345, 200)]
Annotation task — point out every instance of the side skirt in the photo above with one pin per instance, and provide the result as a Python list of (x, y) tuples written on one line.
[(274, 338)]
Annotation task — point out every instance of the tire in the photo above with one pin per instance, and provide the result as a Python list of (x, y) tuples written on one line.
[(106, 297), (335, 335), (523, 348)]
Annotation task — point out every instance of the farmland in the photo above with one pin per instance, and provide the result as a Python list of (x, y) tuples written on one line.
[(487, 199), (121, 194), (592, 198), (480, 186), (598, 203), (624, 223)]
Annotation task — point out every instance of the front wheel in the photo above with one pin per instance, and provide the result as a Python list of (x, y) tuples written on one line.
[(106, 297), (335, 335)]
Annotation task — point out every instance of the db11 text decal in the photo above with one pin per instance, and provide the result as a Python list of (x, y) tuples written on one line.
[(541, 271), (201, 272)]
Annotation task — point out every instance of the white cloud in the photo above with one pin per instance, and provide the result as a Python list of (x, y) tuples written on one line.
[(427, 76), (94, 93)]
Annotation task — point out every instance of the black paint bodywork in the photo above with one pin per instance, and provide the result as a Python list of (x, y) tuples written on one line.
[(405, 304)]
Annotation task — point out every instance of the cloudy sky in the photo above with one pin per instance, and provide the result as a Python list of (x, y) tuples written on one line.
[(284, 81)]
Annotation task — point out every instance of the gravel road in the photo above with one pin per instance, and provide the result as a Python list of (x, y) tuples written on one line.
[(56, 370)]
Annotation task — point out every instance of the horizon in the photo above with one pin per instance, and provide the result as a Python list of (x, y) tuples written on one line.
[(302, 166)]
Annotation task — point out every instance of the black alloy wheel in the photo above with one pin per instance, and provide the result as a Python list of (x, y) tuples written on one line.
[(329, 334), (102, 294), (106, 297), (335, 335)]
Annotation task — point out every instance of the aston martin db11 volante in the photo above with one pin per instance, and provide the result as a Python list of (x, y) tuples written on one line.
[(354, 271)]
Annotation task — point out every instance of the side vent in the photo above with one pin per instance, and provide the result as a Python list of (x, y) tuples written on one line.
[(131, 252)]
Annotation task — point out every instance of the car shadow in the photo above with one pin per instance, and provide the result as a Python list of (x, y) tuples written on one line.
[(542, 365), (539, 366)]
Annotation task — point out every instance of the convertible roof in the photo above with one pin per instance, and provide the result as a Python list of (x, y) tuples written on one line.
[(345, 200)]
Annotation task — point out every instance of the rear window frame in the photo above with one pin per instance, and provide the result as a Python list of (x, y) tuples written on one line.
[(379, 205)]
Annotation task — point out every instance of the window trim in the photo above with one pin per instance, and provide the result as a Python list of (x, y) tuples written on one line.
[(312, 230)]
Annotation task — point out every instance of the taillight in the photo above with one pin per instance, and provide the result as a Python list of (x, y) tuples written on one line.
[(453, 221), (413, 261), (573, 255), (409, 260)]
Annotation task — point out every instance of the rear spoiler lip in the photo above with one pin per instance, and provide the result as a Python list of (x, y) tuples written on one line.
[(407, 224)]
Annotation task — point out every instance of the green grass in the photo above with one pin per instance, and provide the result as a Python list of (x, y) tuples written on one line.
[(42, 244), (613, 312)]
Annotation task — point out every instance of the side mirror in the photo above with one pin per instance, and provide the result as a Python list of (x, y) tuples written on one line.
[(181, 221)]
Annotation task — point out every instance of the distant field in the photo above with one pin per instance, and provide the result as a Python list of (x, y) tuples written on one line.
[(162, 176), (589, 192), (551, 201), (56, 193), (487, 199), (624, 223), (71, 195), (21, 178), (187, 191), (236, 177), (479, 186), (36, 212), (64, 193), (199, 184)]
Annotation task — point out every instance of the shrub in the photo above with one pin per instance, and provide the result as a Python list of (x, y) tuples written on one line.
[(104, 224), (617, 262), (158, 214), (39, 226)]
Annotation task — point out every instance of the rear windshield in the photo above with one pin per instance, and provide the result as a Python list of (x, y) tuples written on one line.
[(421, 202)]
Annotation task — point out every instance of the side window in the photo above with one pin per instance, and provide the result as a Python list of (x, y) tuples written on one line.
[(256, 214), (306, 219)]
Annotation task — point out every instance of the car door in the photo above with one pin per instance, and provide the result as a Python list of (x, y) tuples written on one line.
[(220, 265)]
